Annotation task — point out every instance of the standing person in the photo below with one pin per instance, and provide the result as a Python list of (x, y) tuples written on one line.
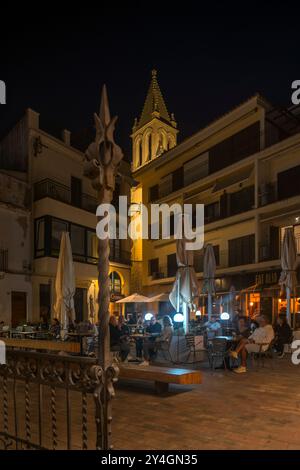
[(283, 335), (258, 341), (150, 347)]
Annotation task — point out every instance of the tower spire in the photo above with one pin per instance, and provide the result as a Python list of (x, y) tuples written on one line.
[(154, 105)]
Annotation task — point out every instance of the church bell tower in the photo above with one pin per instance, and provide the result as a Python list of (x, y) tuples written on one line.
[(155, 132)]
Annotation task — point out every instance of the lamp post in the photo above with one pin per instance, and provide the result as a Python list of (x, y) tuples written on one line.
[(102, 159)]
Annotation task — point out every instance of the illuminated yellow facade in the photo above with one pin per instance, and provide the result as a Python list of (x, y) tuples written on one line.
[(236, 167)]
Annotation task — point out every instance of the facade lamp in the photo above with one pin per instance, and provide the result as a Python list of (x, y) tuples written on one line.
[(148, 316)]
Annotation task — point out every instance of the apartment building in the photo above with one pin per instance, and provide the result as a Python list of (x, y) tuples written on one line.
[(245, 168), (15, 248), (61, 198)]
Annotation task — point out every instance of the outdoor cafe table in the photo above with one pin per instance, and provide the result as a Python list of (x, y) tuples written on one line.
[(22, 334), (143, 336), (80, 337)]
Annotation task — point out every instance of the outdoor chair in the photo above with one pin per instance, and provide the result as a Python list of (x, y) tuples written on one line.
[(165, 347), (190, 342), (217, 352), (260, 356)]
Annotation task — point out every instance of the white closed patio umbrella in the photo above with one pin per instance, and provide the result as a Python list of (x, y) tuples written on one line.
[(209, 269), (185, 287), (288, 277), (65, 284)]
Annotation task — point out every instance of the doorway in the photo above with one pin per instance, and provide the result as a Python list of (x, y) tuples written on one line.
[(18, 308), (80, 303)]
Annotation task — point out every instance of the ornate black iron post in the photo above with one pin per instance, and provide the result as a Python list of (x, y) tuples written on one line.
[(103, 157)]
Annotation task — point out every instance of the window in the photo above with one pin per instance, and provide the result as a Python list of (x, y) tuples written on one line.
[(288, 183), (242, 201), (211, 211), (40, 237), (153, 266), (115, 283), (48, 232), (172, 265), (235, 148), (58, 226), (149, 147), (92, 246), (177, 179), (78, 242), (241, 250), (165, 185), (153, 193), (196, 169)]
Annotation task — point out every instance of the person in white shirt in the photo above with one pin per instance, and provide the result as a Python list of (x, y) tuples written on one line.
[(258, 341)]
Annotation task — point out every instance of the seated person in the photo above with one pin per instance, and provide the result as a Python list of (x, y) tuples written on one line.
[(213, 327), (258, 341), (243, 329), (283, 335), (55, 328), (150, 347), (116, 337), (238, 315), (123, 326), (154, 327)]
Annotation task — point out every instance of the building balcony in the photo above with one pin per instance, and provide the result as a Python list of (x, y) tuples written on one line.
[(60, 192)]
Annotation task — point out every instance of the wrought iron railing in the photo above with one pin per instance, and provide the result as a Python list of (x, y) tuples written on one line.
[(51, 402), (62, 193)]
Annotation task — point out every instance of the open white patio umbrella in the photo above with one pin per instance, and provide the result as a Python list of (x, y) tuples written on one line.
[(134, 298), (288, 277), (185, 287), (209, 269), (160, 298), (65, 284)]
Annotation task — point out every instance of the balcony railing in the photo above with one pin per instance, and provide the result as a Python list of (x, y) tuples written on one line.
[(62, 193)]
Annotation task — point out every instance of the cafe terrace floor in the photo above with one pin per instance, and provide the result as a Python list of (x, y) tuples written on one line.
[(256, 410)]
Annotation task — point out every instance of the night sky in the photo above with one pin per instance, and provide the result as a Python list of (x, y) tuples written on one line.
[(207, 64)]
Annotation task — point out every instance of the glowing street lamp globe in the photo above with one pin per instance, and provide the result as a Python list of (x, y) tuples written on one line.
[(178, 317), (225, 316), (148, 316)]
